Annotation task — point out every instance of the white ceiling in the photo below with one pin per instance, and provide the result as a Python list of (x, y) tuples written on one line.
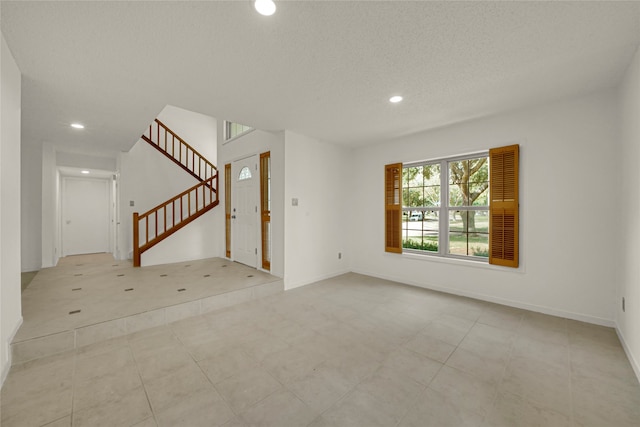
[(323, 69)]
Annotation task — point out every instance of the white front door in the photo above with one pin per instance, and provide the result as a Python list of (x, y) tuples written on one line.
[(244, 210), (85, 216)]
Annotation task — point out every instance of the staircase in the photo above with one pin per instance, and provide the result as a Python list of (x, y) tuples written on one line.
[(155, 225)]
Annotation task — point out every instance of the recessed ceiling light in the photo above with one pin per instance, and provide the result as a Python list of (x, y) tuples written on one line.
[(265, 7), (77, 126), (84, 172), (395, 99)]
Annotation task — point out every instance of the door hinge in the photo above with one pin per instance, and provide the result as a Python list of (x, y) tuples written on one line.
[(256, 251), (256, 209)]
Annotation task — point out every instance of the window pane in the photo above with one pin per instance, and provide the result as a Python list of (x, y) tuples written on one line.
[(480, 246), (469, 233), (456, 221), (457, 172), (457, 243), (431, 174), (432, 195), (481, 222), (455, 195), (412, 176), (421, 186), (479, 194), (411, 197), (235, 129), (245, 173), (420, 230), (468, 182)]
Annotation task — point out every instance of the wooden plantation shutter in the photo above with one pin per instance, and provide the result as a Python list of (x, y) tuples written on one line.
[(265, 209), (227, 208), (503, 206), (393, 207)]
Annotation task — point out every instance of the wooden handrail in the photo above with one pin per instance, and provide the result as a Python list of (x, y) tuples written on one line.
[(176, 156), (179, 196), (209, 199)]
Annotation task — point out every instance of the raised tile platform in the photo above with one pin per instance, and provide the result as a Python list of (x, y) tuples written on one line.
[(91, 298)]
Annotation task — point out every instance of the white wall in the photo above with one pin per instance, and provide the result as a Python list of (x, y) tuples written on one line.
[(256, 142), (628, 322), (148, 178), (198, 130), (31, 206), (568, 203), (85, 161), (320, 176), (49, 240), (10, 303)]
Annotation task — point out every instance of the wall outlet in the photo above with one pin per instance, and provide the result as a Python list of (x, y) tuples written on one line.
[(339, 255), (623, 307)]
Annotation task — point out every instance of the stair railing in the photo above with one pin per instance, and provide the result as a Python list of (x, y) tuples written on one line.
[(155, 225), (177, 150)]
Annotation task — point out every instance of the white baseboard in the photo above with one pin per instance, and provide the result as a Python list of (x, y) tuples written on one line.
[(634, 363), (7, 366), (516, 304)]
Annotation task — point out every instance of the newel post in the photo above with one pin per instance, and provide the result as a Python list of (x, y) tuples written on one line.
[(136, 241)]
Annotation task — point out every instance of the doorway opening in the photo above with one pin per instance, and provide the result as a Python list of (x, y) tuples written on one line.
[(87, 212)]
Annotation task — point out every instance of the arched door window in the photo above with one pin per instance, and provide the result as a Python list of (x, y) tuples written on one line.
[(245, 173)]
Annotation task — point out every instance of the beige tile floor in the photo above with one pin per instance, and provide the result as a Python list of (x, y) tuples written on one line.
[(348, 351)]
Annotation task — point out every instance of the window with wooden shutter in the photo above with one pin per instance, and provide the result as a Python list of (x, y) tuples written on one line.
[(393, 207), (503, 206)]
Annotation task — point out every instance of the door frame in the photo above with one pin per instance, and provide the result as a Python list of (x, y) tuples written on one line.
[(113, 189), (256, 218)]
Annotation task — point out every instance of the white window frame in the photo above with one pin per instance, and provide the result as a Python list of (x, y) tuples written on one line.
[(444, 208)]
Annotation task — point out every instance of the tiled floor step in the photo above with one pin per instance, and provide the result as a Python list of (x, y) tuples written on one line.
[(88, 299)]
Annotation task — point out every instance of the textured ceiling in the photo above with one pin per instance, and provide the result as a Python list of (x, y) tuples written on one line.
[(323, 69)]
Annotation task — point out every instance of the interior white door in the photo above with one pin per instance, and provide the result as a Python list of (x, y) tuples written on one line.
[(244, 211), (85, 216)]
